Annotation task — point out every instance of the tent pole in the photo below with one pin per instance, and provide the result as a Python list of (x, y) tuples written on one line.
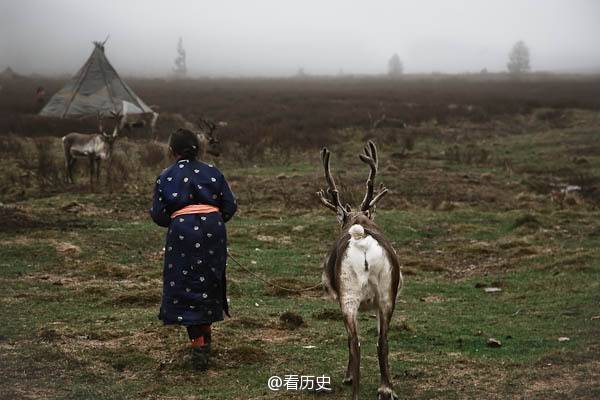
[(79, 82), (108, 88), (132, 95)]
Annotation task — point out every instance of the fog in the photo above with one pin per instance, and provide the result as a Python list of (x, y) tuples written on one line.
[(276, 37)]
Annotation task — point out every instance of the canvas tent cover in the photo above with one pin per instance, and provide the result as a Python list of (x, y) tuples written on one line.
[(8, 74), (95, 88)]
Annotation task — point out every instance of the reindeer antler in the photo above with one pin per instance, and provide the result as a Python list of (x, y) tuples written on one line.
[(375, 122), (370, 157), (208, 125), (330, 197), (117, 117), (99, 117)]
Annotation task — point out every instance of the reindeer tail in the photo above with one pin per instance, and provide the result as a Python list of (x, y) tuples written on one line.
[(357, 232)]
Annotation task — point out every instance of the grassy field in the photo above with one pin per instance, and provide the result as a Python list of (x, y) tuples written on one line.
[(471, 207)]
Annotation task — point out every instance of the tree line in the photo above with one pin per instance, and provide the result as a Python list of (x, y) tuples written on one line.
[(518, 62)]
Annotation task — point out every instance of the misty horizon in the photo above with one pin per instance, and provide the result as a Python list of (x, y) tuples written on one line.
[(268, 38)]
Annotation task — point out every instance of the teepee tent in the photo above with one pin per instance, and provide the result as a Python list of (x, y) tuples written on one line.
[(8, 74), (95, 88)]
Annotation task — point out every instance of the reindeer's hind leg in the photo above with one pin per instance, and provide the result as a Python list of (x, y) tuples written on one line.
[(68, 178), (152, 124), (69, 166), (69, 161), (350, 313), (98, 161), (92, 165), (349, 369), (385, 391)]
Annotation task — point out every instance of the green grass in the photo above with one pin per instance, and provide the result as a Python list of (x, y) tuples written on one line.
[(532, 311), (81, 324)]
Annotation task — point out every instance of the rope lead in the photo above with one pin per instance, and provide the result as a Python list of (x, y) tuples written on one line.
[(260, 278)]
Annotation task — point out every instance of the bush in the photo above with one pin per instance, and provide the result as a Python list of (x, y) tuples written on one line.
[(152, 154), (48, 170), (469, 154), (119, 169), (11, 144)]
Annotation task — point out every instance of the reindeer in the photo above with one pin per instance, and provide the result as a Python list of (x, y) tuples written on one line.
[(204, 130), (147, 120), (361, 270), (207, 139), (384, 120), (95, 147)]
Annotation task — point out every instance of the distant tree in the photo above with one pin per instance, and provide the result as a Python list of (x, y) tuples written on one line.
[(395, 66), (301, 73), (518, 59), (180, 64)]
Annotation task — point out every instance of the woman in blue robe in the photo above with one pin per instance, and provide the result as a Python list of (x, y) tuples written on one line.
[(193, 200)]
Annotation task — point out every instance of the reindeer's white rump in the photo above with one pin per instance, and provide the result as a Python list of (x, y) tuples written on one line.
[(363, 267)]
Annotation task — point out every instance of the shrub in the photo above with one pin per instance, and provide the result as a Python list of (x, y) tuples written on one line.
[(11, 144), (152, 154), (119, 169), (469, 154)]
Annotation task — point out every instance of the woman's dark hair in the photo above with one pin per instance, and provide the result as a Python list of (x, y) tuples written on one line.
[(184, 144)]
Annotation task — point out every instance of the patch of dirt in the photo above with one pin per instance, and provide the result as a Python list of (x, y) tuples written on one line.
[(522, 252), (48, 334), (72, 207), (527, 221), (111, 270), (459, 258), (245, 323), (17, 219), (274, 239), (332, 314), (276, 336), (577, 260), (395, 329), (25, 391), (434, 298), (566, 376), (408, 271), (290, 320), (243, 354), (55, 279), (137, 292), (510, 243), (61, 247), (476, 248), (67, 248), (85, 209), (138, 298)]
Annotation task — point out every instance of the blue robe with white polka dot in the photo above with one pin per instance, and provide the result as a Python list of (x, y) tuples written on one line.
[(194, 283)]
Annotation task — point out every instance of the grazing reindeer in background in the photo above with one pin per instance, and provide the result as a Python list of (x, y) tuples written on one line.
[(94, 147), (148, 120), (207, 138), (204, 130), (361, 270)]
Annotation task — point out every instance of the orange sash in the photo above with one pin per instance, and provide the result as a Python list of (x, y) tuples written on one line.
[(195, 209)]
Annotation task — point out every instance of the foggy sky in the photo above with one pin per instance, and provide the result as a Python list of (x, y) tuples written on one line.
[(277, 37)]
